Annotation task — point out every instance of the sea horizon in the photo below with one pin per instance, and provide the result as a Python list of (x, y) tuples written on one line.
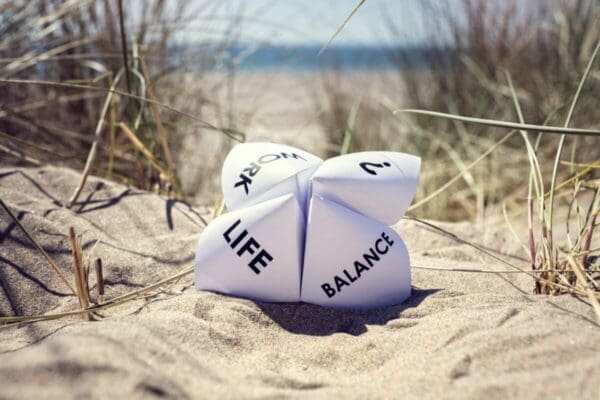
[(306, 57)]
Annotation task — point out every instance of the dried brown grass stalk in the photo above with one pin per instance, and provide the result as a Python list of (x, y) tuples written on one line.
[(160, 129), (114, 302), (99, 279), (124, 45), (230, 132), (582, 280), (84, 42), (139, 145), (94, 148), (80, 275), (20, 155), (543, 278)]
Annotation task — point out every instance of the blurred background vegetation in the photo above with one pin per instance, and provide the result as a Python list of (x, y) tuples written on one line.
[(199, 108)]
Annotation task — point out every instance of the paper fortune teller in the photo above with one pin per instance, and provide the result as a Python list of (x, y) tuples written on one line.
[(303, 229)]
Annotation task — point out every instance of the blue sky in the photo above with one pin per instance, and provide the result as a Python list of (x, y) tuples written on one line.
[(311, 21)]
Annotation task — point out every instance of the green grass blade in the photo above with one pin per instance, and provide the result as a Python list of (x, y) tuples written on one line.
[(533, 160), (347, 140), (326, 45), (535, 176), (562, 138), (502, 124)]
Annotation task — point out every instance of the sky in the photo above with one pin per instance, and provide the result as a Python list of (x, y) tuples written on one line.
[(311, 22)]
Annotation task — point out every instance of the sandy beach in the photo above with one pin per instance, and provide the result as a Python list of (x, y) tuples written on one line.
[(461, 334), (117, 124)]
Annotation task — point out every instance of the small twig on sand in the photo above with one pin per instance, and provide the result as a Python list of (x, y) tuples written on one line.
[(108, 304)]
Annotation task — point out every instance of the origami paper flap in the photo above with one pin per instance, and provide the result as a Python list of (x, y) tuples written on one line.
[(255, 252), (351, 260), (297, 184), (252, 169), (378, 184)]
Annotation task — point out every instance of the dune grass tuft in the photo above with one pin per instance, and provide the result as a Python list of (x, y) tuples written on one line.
[(514, 65)]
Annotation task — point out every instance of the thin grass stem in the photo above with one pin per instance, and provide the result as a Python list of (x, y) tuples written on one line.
[(562, 138), (231, 132), (38, 247), (501, 124)]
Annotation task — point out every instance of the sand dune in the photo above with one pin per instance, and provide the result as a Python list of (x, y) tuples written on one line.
[(460, 335)]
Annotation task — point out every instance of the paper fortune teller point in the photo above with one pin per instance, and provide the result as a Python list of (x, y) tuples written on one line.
[(300, 229), (255, 172), (351, 260), (378, 184), (254, 252)]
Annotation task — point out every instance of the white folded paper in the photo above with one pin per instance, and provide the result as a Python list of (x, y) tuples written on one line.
[(255, 172), (343, 254), (255, 252), (352, 260), (379, 184)]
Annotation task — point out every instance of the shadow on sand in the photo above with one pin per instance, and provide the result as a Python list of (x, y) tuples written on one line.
[(308, 319)]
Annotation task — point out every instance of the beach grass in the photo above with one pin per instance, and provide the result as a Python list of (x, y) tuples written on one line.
[(465, 110)]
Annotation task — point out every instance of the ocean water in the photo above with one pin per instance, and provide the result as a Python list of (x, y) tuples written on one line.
[(305, 58)]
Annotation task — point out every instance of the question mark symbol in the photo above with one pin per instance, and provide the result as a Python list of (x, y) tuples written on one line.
[(368, 166)]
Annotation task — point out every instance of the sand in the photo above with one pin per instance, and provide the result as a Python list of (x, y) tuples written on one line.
[(460, 335)]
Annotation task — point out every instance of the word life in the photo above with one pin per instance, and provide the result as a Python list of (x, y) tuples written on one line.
[(251, 170), (368, 166), (346, 278), (247, 245)]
